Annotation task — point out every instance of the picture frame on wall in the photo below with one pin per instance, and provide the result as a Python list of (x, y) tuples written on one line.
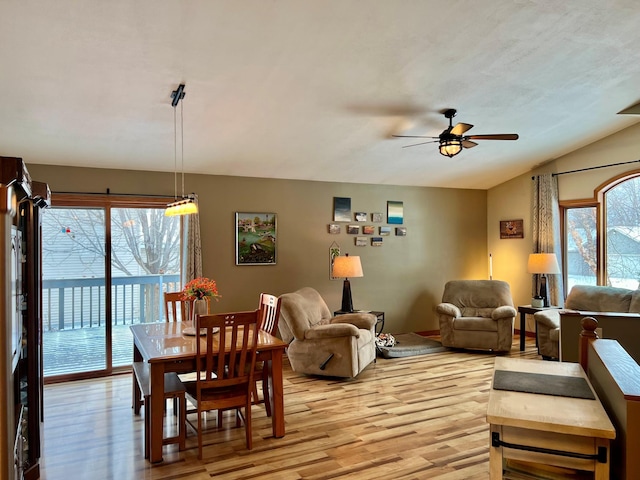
[(341, 209), (511, 228), (376, 217), (353, 229), (361, 216), (395, 212), (401, 231), (361, 241), (334, 251), (376, 241), (256, 238), (334, 228), (368, 229), (384, 230)]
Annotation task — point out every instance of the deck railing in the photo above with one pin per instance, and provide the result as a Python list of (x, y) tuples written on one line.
[(76, 303)]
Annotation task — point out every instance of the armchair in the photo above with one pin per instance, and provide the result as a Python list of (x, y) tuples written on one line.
[(320, 344), (477, 314)]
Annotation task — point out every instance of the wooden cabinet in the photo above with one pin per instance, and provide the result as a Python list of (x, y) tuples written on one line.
[(24, 385)]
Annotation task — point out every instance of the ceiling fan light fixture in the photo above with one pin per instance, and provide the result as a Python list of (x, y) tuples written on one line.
[(450, 147)]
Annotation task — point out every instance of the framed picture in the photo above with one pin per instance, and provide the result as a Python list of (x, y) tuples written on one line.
[(361, 216), (395, 212), (341, 209), (401, 231), (376, 217), (384, 230), (256, 238), (353, 229), (361, 241), (334, 228), (376, 241), (334, 251), (511, 229), (368, 229)]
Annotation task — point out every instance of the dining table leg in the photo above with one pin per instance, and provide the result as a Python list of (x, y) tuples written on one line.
[(156, 411), (276, 393), (136, 394)]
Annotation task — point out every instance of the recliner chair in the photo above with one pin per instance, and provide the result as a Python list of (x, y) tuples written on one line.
[(321, 344), (477, 314)]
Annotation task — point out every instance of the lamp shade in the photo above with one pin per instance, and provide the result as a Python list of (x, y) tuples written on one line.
[(543, 263), (451, 147), (347, 267)]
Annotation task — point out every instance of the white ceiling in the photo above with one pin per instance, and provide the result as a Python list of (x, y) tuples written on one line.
[(313, 89)]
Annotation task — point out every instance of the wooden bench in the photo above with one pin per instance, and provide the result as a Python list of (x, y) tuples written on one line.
[(615, 377), (173, 389)]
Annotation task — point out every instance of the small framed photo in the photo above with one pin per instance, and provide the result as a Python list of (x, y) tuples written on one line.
[(511, 229), (401, 231), (376, 241), (384, 231), (376, 217), (361, 241), (353, 229), (334, 228), (255, 238), (368, 229), (361, 216)]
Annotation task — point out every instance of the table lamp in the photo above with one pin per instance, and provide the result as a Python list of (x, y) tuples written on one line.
[(347, 267), (543, 264)]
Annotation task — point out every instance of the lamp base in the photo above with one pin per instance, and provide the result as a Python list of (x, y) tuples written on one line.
[(347, 303), (543, 291)]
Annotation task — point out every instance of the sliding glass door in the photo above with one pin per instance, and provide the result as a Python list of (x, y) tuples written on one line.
[(104, 268)]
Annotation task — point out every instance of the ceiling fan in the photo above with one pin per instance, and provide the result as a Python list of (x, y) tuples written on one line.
[(452, 140)]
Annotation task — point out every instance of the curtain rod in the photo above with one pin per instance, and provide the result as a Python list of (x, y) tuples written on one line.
[(108, 192), (590, 168)]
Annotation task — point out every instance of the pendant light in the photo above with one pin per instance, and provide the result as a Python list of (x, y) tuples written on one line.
[(186, 205)]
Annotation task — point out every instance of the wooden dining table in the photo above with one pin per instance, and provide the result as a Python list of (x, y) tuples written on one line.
[(167, 348)]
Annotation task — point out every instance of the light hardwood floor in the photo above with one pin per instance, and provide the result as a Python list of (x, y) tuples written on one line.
[(414, 418)]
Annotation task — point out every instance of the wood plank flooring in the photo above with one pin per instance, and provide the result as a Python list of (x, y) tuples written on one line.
[(410, 418)]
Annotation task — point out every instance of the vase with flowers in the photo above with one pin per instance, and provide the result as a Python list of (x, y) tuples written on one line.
[(199, 292)]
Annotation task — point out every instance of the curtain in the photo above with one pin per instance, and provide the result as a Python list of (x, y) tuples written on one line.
[(192, 248), (546, 231)]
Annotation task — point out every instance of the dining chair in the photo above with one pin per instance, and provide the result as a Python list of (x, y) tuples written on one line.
[(268, 311), (174, 305), (226, 357)]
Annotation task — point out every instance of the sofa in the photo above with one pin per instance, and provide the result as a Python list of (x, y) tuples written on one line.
[(476, 314), (321, 344), (617, 311)]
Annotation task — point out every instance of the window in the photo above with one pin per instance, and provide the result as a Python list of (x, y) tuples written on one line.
[(602, 236)]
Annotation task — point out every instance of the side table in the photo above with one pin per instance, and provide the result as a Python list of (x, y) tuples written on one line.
[(379, 318), (523, 310)]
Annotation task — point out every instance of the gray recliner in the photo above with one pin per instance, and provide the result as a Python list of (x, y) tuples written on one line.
[(477, 314), (321, 344)]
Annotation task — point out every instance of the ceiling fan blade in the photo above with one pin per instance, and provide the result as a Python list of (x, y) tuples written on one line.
[(468, 144), (460, 128), (416, 144), (497, 136), (413, 136), (632, 110)]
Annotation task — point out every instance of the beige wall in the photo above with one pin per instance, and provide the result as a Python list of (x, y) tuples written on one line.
[(512, 200), (446, 237)]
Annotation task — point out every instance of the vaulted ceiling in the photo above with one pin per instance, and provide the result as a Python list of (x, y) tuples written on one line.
[(314, 89)]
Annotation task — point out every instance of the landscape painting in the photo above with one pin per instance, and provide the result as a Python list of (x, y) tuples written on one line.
[(255, 238)]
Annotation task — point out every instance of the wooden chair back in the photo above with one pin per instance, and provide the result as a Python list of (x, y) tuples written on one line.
[(269, 310), (174, 305), (226, 354)]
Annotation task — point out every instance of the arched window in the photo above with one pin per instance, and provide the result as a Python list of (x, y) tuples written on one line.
[(602, 235)]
